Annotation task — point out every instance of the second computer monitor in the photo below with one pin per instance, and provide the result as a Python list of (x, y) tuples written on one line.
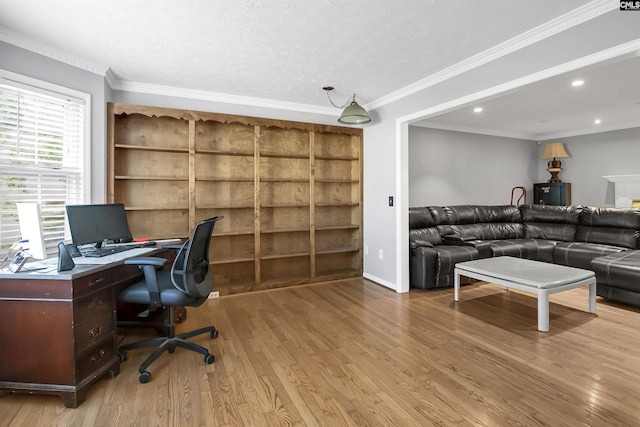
[(31, 229), (93, 224)]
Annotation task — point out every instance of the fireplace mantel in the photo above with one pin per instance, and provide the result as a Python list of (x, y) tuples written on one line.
[(627, 189)]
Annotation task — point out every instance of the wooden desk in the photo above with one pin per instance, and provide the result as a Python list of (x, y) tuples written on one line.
[(58, 330)]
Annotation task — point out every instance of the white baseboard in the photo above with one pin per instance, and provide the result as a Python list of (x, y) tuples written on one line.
[(380, 281)]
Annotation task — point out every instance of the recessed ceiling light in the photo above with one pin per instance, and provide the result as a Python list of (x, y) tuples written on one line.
[(596, 121), (477, 110), (577, 83)]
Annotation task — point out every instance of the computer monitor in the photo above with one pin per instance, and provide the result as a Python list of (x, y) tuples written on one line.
[(93, 224), (31, 229)]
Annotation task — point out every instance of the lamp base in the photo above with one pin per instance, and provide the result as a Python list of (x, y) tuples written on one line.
[(554, 167)]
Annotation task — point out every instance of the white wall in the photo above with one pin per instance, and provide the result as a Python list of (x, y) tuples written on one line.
[(454, 168), (592, 157)]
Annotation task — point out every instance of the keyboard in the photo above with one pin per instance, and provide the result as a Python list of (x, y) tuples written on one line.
[(110, 250)]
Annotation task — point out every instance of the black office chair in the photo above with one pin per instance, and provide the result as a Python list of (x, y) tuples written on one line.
[(188, 283)]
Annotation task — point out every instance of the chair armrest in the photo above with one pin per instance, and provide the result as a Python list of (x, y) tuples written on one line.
[(174, 246), (149, 266), (146, 260)]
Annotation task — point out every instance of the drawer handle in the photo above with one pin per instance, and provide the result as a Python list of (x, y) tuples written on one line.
[(97, 358), (96, 282), (95, 303), (95, 333)]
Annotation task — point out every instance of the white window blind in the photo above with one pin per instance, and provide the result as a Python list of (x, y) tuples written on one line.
[(41, 160)]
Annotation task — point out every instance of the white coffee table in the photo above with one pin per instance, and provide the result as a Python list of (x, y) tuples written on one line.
[(540, 278)]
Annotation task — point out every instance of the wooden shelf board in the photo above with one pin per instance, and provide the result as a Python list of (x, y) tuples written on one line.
[(285, 156), (158, 149), (223, 153), (338, 250), (232, 233), (164, 208), (231, 260), (283, 206), (289, 255), (338, 273), (150, 178), (224, 207), (329, 205), (336, 181), (337, 227), (224, 180), (336, 158), (284, 180), (285, 230)]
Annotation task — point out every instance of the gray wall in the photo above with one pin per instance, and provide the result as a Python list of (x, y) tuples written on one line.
[(592, 157), (451, 168)]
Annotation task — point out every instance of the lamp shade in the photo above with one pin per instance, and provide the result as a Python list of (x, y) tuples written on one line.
[(354, 114), (555, 150)]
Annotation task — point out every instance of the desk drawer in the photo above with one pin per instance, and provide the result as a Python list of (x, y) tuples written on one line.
[(93, 282), (94, 330), (99, 303), (96, 358)]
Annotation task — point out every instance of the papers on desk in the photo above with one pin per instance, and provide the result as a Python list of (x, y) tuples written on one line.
[(131, 253)]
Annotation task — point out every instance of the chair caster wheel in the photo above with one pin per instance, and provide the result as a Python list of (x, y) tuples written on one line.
[(209, 359), (145, 377), (123, 356), (214, 333)]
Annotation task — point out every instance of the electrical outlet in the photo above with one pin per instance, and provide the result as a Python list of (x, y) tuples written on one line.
[(380, 253), (366, 250), (214, 294)]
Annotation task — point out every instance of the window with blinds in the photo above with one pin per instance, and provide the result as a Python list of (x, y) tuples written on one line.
[(41, 159)]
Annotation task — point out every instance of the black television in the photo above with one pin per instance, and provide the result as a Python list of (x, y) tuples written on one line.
[(93, 224)]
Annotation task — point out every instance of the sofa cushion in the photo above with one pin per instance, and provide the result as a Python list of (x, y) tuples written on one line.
[(539, 250), (473, 214), (550, 222), (609, 226), (580, 254), (488, 231)]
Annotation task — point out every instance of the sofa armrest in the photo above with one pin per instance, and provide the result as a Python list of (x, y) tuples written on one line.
[(417, 243), (483, 246)]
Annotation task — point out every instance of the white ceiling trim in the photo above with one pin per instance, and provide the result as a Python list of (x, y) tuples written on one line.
[(477, 130), (555, 26), (589, 131), (40, 48), (152, 89)]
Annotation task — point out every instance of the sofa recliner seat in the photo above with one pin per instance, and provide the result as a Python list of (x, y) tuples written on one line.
[(618, 276)]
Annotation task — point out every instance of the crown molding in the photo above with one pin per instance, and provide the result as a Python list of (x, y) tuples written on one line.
[(129, 86), (546, 30), (43, 49), (476, 130), (588, 131)]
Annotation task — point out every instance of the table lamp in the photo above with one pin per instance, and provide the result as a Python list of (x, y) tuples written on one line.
[(554, 151)]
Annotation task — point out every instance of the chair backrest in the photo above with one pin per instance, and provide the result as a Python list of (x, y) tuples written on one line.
[(190, 272)]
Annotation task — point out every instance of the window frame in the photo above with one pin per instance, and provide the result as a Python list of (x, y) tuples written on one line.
[(31, 84)]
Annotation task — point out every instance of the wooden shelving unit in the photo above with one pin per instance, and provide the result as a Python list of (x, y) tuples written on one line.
[(290, 192)]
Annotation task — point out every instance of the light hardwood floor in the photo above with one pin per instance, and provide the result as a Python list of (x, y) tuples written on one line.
[(354, 353)]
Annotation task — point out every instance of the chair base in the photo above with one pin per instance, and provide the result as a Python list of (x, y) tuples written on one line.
[(169, 343)]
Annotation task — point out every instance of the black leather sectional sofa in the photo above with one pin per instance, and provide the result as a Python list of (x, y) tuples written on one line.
[(604, 240)]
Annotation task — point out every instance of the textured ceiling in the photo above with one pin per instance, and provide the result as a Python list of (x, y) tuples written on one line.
[(282, 50)]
